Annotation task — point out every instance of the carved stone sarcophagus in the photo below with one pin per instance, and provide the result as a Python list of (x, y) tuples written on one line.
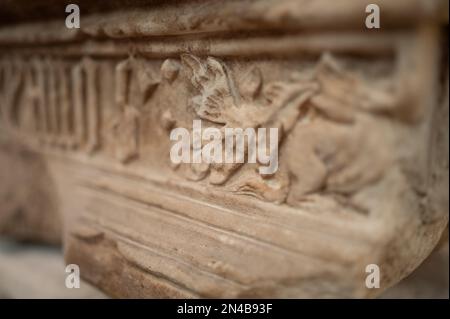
[(362, 119)]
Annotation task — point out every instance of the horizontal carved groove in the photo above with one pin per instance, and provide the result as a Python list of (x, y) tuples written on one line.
[(198, 244), (240, 46), (167, 267), (296, 240), (219, 16), (157, 280), (113, 178)]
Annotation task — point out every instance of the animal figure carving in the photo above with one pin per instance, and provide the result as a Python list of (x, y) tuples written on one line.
[(321, 118)]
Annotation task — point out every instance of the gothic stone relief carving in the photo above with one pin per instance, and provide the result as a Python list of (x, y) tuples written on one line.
[(322, 114), (358, 152)]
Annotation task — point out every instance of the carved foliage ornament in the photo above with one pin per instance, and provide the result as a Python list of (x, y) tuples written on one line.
[(317, 116), (321, 117)]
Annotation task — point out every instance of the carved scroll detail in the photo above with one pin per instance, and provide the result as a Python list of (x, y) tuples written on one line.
[(86, 104), (11, 87), (135, 83), (61, 102)]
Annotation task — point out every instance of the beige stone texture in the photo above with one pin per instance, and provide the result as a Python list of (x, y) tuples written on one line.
[(362, 116)]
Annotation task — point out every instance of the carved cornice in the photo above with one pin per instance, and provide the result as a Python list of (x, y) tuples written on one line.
[(225, 17)]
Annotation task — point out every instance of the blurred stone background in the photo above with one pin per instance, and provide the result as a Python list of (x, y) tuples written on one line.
[(37, 271)]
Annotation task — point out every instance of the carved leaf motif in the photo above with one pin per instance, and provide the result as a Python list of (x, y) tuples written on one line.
[(136, 83), (170, 69), (343, 92), (126, 132), (251, 84), (147, 80), (216, 101), (329, 95)]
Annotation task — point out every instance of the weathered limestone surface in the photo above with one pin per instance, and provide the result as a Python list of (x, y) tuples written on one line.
[(37, 271), (429, 281), (363, 122)]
